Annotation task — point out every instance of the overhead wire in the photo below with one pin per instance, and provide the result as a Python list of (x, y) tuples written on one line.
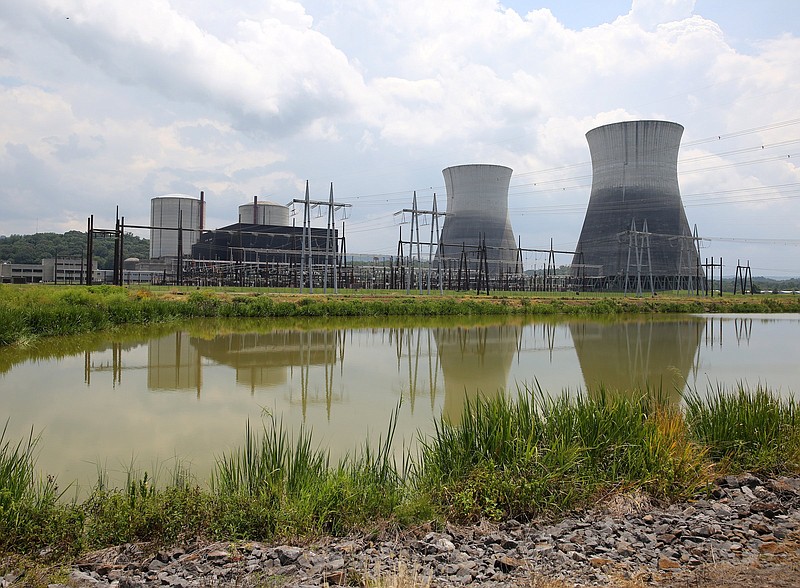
[(572, 182)]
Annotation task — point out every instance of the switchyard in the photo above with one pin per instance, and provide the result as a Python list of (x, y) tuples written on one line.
[(635, 235)]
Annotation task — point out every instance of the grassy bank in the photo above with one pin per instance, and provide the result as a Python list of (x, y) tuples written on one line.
[(28, 312), (525, 458)]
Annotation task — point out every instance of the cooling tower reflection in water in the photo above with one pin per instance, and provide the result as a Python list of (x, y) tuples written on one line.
[(636, 354), (475, 361), (149, 395)]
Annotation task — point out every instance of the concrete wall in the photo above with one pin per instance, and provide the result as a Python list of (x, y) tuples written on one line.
[(164, 212), (477, 208), (634, 178)]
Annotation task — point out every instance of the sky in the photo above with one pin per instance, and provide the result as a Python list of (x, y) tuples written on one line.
[(108, 104)]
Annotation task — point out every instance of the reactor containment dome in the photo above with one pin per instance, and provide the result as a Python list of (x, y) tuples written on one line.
[(264, 212), (169, 213), (477, 215), (635, 226)]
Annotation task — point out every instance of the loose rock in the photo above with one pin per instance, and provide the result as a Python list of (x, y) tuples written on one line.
[(745, 521)]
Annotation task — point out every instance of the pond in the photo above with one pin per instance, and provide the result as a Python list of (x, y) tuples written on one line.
[(147, 398)]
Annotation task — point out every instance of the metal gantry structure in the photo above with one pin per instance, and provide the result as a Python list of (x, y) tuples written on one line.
[(331, 255), (470, 269), (322, 261), (431, 244)]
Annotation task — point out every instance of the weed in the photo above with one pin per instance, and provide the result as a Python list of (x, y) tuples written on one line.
[(534, 455)]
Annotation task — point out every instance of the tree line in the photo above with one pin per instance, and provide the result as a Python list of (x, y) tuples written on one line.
[(34, 248)]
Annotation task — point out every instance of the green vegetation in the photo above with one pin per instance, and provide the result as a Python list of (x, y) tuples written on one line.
[(27, 311), (747, 429), (35, 248), (548, 454), (524, 458)]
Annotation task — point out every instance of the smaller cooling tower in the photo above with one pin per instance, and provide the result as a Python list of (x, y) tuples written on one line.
[(261, 212), (635, 181), (477, 213), (165, 214)]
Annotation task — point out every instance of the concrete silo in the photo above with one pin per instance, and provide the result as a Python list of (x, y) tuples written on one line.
[(635, 185), (165, 214), (262, 212), (477, 212)]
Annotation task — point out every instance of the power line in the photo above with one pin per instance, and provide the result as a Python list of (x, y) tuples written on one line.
[(573, 166)]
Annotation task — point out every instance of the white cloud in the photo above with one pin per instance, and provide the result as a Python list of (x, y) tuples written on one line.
[(123, 101), (651, 13)]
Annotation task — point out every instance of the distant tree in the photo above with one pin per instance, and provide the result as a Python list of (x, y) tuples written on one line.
[(35, 248)]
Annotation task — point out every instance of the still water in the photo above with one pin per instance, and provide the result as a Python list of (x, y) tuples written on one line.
[(140, 398)]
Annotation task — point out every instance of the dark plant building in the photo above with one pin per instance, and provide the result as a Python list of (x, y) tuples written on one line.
[(635, 233), (250, 243)]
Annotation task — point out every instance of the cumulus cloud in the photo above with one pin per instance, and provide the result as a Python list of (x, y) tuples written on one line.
[(651, 13), (117, 102), (273, 75)]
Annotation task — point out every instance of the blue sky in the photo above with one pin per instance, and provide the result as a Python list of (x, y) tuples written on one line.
[(741, 20), (110, 103)]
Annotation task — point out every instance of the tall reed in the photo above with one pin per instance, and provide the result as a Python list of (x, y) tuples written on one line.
[(29, 508), (540, 453), (523, 457), (276, 484), (746, 429)]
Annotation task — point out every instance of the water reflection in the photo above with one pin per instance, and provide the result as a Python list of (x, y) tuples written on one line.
[(173, 363), (621, 355), (264, 360), (188, 391), (475, 361), (632, 355)]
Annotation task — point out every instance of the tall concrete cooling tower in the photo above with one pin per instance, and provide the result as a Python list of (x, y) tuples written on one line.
[(477, 211), (635, 181)]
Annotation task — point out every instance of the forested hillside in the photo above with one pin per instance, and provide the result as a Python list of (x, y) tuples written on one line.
[(34, 248)]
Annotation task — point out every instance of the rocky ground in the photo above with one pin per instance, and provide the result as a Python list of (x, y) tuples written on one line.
[(745, 534)]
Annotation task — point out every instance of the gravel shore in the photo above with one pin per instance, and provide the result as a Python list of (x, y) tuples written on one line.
[(744, 523)]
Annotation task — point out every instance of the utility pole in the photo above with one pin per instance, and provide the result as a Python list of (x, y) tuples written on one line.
[(416, 213), (307, 250)]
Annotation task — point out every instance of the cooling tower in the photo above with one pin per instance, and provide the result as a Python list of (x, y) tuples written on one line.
[(477, 212), (261, 212), (164, 214), (635, 181)]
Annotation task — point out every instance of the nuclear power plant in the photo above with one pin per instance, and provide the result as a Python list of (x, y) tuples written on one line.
[(635, 233), (476, 226)]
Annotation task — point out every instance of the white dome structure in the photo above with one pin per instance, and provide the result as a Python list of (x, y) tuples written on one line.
[(264, 212)]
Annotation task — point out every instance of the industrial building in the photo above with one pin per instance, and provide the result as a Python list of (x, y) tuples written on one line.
[(62, 270), (177, 220), (476, 226), (254, 243), (264, 212), (635, 233)]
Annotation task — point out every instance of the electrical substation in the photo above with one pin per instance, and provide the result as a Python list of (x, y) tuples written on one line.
[(635, 236)]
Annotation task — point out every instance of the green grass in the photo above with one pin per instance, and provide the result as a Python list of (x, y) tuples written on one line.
[(746, 429), (533, 456), (541, 454), (31, 311), (30, 507), (290, 486)]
